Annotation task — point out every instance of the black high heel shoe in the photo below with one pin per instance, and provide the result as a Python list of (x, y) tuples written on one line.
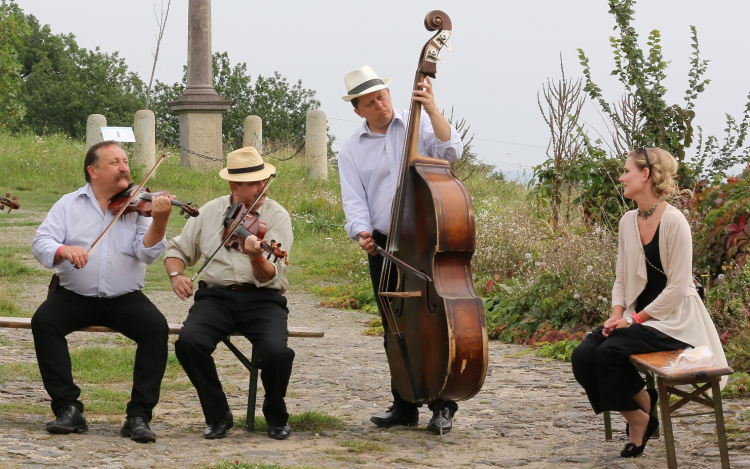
[(631, 450)]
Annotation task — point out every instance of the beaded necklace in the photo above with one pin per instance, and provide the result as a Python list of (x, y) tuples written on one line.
[(648, 212)]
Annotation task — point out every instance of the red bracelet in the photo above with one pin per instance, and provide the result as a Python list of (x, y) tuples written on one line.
[(637, 318), (260, 259), (57, 254)]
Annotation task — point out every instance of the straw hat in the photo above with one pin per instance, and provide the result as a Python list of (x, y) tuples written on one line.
[(363, 81), (246, 165)]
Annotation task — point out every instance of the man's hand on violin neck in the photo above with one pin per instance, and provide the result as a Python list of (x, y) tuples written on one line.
[(161, 207), (76, 255), (365, 242), (253, 248)]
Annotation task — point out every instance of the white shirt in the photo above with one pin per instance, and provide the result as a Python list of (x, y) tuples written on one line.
[(370, 165), (204, 233), (117, 265)]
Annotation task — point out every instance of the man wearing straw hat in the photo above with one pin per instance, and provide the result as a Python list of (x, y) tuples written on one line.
[(369, 166), (241, 292)]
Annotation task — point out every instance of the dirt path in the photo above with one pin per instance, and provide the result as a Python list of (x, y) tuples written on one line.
[(530, 413)]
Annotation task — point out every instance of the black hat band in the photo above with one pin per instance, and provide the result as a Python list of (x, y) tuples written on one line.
[(365, 85), (250, 169)]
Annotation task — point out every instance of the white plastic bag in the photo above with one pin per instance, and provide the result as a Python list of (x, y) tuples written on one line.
[(689, 359)]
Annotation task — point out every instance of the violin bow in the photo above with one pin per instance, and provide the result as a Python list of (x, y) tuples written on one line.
[(398, 261), (133, 195), (234, 229)]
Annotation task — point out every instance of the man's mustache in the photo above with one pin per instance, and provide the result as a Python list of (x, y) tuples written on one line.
[(123, 175)]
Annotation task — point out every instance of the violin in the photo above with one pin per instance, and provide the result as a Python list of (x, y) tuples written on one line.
[(251, 225), (141, 203), (10, 202)]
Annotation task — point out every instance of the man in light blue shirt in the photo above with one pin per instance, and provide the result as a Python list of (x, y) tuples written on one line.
[(101, 287), (369, 168)]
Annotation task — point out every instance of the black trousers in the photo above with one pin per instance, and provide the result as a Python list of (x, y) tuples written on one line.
[(132, 314), (261, 316), (602, 364), (376, 270)]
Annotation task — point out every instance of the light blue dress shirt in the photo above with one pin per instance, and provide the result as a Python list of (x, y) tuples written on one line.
[(370, 165), (117, 265)]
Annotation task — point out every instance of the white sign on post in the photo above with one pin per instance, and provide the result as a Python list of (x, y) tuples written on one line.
[(118, 134)]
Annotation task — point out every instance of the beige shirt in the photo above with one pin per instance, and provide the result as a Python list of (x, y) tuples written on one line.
[(678, 310), (204, 233)]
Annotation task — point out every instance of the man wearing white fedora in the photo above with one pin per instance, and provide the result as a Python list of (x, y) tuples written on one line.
[(369, 167), (241, 292)]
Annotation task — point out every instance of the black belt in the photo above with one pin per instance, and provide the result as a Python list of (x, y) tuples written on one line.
[(235, 287), (241, 287)]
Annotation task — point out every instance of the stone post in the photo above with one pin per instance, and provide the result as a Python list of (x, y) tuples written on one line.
[(252, 135), (94, 125), (316, 152), (200, 107), (144, 148)]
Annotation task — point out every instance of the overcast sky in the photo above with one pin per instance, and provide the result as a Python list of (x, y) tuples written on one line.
[(503, 52)]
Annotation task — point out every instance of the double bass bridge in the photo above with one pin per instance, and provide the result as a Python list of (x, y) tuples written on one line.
[(401, 294)]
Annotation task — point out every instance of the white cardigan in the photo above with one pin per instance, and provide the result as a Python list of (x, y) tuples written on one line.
[(678, 310)]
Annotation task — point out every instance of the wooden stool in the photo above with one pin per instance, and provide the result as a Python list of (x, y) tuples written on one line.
[(666, 384)]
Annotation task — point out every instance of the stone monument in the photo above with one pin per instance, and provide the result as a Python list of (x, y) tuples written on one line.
[(200, 107)]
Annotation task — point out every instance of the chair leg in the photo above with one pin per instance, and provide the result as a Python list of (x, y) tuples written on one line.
[(607, 426), (666, 421), (252, 391), (720, 430), (651, 385)]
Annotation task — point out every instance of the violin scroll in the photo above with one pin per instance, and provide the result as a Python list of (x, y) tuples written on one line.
[(10, 202)]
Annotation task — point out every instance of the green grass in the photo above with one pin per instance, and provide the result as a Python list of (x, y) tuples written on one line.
[(363, 446), (322, 253), (310, 421)]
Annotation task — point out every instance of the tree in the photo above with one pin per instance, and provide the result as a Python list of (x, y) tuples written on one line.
[(282, 106), (161, 21), (663, 125), (564, 103), (64, 84), (12, 32)]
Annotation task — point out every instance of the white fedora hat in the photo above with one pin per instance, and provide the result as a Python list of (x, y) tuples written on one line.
[(363, 81), (246, 165)]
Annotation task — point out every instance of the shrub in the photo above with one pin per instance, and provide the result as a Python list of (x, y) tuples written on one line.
[(720, 216)]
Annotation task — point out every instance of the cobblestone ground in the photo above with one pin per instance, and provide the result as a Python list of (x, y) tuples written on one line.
[(530, 413)]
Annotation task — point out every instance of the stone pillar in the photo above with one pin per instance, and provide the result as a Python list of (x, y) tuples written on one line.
[(94, 125), (200, 107), (316, 152), (252, 135), (144, 148)]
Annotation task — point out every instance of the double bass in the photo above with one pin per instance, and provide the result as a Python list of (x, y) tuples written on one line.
[(440, 349)]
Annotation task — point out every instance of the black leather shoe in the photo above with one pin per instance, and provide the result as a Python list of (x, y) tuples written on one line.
[(446, 419), (395, 416), (69, 420), (279, 433), (219, 428), (138, 430), (631, 450)]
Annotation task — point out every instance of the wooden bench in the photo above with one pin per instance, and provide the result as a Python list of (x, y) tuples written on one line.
[(174, 329), (666, 384)]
